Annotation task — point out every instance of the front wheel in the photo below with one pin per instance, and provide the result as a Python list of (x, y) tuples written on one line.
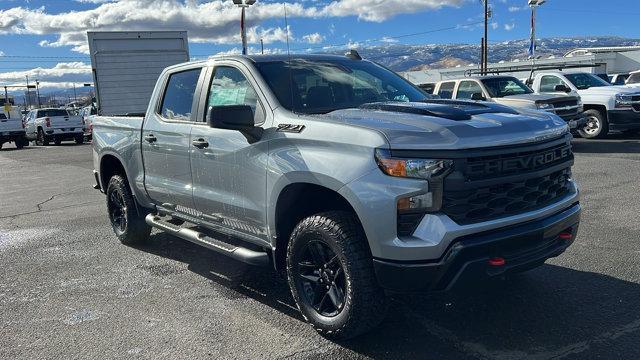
[(331, 276), (127, 223), (596, 126)]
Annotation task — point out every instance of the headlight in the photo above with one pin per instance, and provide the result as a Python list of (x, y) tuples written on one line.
[(544, 107), (623, 101), (411, 168), (432, 170)]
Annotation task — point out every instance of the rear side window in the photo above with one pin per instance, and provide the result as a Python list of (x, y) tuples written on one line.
[(467, 89), (52, 113), (446, 90), (178, 96)]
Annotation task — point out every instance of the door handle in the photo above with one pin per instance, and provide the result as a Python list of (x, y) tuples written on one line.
[(200, 143), (150, 138)]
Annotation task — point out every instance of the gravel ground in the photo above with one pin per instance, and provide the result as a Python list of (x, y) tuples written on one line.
[(69, 290)]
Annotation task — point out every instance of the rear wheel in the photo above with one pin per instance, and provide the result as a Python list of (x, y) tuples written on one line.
[(42, 139), (596, 126), (127, 222), (20, 143), (331, 276)]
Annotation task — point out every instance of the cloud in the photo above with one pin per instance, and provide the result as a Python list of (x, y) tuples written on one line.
[(314, 38), (61, 75), (509, 27), (517, 8), (495, 25), (205, 21)]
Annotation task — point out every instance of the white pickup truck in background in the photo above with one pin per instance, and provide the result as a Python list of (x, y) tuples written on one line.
[(607, 107), (12, 130), (46, 125), (509, 91)]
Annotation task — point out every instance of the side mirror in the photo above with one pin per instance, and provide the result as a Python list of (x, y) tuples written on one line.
[(562, 88), (477, 97), (232, 117)]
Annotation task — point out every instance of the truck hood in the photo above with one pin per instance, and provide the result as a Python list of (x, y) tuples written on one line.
[(530, 97), (420, 126), (609, 90)]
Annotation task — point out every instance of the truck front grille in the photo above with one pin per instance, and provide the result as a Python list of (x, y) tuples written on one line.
[(501, 200), (567, 109), (498, 183)]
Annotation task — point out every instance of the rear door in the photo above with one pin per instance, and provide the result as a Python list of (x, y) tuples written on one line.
[(229, 174), (166, 140), (446, 90)]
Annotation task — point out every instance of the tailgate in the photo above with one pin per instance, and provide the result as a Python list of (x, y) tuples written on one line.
[(65, 122), (13, 124)]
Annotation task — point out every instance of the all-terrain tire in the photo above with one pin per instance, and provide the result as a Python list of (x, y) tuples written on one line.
[(42, 139), (596, 127), (126, 219), (365, 302)]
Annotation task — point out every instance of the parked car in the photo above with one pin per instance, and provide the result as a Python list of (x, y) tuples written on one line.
[(634, 78), (341, 174), (509, 91), (87, 122), (50, 124), (12, 130), (618, 79), (607, 107)]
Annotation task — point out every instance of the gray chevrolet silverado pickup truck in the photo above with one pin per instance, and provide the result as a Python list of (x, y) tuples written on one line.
[(341, 175)]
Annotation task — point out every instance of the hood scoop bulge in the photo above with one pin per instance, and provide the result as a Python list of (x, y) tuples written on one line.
[(446, 109)]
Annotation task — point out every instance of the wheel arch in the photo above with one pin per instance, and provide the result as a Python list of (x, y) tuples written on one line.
[(600, 108), (297, 201)]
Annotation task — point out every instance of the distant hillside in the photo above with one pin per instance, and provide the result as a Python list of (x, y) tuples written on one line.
[(410, 57)]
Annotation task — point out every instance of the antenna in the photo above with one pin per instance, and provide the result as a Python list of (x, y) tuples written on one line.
[(286, 24)]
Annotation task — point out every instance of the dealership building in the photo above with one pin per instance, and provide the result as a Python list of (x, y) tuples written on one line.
[(601, 60)]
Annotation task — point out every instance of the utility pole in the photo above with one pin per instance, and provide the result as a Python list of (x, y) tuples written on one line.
[(486, 38), (261, 46), (6, 101), (28, 95), (38, 92), (75, 96)]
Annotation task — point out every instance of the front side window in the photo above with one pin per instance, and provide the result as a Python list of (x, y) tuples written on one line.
[(230, 87), (548, 83), (584, 81), (178, 96), (322, 86), (446, 90), (505, 86), (467, 89)]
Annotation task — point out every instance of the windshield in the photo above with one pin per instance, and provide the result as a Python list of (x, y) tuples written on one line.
[(505, 86), (584, 81), (324, 86)]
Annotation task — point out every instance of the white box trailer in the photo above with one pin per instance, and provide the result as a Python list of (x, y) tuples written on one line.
[(126, 65)]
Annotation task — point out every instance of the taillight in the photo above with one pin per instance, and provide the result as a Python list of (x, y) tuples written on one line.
[(47, 121)]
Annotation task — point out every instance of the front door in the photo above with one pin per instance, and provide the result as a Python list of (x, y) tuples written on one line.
[(166, 141), (229, 174)]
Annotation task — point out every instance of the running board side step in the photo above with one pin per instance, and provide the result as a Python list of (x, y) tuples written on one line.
[(239, 253)]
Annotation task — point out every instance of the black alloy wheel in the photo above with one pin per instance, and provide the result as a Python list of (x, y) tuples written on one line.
[(321, 277), (117, 211)]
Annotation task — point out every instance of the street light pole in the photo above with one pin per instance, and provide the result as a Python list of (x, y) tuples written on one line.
[(243, 4), (38, 92), (534, 8), (28, 95)]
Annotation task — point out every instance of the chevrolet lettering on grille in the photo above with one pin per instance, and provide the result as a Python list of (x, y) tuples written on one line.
[(521, 163)]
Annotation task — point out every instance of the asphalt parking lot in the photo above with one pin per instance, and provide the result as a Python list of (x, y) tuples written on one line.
[(68, 289)]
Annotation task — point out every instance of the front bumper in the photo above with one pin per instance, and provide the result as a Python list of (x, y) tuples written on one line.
[(522, 246), (623, 119)]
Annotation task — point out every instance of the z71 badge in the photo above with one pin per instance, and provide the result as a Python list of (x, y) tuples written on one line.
[(290, 128)]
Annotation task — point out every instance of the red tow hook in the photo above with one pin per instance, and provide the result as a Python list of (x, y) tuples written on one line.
[(497, 261), (565, 235)]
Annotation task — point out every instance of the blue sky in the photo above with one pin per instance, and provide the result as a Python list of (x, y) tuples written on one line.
[(32, 29)]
